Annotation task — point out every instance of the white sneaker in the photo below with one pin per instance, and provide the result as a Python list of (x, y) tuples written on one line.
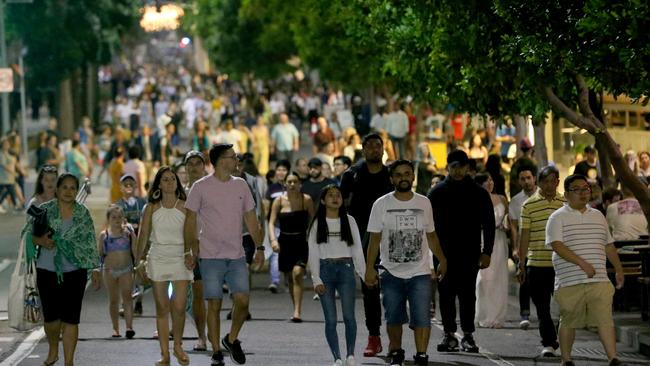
[(316, 298), (350, 361), (2, 210), (524, 324), (548, 352), (338, 363)]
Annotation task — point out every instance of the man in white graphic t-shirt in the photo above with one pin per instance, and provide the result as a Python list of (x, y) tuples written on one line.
[(401, 223)]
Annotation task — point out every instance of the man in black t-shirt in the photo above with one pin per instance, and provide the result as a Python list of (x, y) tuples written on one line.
[(316, 181), (589, 167), (361, 186)]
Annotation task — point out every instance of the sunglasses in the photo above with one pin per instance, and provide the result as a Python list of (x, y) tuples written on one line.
[(49, 169)]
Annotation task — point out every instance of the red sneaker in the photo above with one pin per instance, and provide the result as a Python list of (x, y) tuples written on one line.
[(373, 347)]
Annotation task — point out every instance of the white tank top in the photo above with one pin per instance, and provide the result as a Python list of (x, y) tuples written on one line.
[(167, 226)]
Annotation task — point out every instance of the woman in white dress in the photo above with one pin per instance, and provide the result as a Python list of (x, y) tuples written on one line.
[(162, 226), (492, 282)]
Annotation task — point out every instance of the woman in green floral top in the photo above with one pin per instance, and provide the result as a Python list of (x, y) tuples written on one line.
[(62, 263)]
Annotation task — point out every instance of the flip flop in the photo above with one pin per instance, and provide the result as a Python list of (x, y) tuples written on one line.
[(45, 363), (198, 348), (116, 336), (296, 320)]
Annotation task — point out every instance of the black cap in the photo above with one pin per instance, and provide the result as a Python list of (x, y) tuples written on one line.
[(314, 162), (457, 158), (193, 153)]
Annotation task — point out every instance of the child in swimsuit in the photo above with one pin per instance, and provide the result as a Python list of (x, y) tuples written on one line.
[(116, 248)]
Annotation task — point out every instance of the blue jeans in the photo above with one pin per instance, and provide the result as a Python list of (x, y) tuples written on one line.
[(274, 269), (397, 291), (216, 272), (338, 275)]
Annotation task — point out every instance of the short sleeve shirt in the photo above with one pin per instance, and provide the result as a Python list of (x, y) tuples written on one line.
[(284, 135), (534, 215), (220, 207), (585, 234), (403, 225)]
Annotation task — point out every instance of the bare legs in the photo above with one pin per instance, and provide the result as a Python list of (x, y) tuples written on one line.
[(70, 337), (295, 279), (607, 338), (175, 306), (119, 289), (239, 314), (198, 311)]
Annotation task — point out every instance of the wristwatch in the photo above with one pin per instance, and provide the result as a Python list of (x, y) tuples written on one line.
[(261, 247)]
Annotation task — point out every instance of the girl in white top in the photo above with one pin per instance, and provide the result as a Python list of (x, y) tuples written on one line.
[(167, 259), (335, 254)]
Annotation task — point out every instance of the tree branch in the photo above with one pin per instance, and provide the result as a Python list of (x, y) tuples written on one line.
[(569, 113), (584, 105)]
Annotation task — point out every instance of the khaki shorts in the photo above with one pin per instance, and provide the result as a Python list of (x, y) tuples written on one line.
[(586, 305)]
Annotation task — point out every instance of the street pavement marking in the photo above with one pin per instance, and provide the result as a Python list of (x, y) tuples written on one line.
[(25, 348), (5, 263)]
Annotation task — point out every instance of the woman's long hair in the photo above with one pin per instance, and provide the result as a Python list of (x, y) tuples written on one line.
[(155, 194), (322, 231)]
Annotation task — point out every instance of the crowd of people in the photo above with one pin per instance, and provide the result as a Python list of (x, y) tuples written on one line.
[(203, 180)]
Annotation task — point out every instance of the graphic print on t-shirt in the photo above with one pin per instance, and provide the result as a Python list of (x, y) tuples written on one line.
[(405, 241)]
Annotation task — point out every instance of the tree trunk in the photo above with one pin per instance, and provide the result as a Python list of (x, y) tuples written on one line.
[(66, 113), (596, 127), (521, 129), (607, 176), (78, 104), (91, 93), (541, 153)]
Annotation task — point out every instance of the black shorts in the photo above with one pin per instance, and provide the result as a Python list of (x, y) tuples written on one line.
[(249, 247), (61, 301)]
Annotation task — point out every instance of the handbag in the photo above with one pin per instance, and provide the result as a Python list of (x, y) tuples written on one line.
[(24, 303)]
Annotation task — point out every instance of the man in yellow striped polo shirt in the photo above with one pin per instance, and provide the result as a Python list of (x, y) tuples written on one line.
[(536, 257)]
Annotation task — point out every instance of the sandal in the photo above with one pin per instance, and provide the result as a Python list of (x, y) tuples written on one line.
[(45, 363), (295, 319), (116, 336), (162, 362), (182, 358), (200, 347)]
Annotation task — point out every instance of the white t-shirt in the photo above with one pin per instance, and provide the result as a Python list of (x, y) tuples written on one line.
[(584, 233), (335, 248), (403, 226), (626, 220), (397, 124), (517, 202)]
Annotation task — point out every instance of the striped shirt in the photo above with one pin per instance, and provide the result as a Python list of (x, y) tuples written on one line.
[(534, 214), (584, 233)]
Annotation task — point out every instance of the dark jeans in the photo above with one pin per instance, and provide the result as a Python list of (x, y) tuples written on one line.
[(541, 281), (524, 299), (8, 190), (371, 300), (460, 283), (284, 155)]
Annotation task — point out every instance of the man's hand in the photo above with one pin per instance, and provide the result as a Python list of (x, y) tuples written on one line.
[(484, 261), (320, 289), (589, 269), (96, 279), (620, 279), (190, 261), (521, 272), (442, 270), (372, 278), (43, 241), (258, 261)]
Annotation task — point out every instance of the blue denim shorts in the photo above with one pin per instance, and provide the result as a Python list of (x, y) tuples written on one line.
[(216, 272), (396, 291)]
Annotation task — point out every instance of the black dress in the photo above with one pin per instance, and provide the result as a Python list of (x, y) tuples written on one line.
[(294, 250)]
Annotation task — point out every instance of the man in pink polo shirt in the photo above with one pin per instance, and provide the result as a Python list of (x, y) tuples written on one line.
[(223, 203)]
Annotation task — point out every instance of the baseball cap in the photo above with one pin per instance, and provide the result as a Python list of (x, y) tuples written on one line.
[(314, 162), (127, 176), (457, 158), (192, 153)]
